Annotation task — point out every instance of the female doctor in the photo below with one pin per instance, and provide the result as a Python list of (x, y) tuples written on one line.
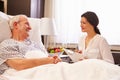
[(93, 45)]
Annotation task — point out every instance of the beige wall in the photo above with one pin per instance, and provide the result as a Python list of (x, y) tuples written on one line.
[(49, 8)]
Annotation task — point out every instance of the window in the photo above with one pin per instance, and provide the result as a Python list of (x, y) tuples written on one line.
[(68, 12)]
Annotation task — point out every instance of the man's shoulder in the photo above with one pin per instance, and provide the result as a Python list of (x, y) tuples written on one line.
[(7, 41)]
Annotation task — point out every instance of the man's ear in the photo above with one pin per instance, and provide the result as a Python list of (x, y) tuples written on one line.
[(15, 25)]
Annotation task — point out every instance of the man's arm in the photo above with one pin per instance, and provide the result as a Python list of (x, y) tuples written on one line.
[(21, 63)]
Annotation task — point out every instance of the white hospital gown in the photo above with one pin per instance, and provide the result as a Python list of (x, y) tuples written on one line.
[(14, 49), (98, 48)]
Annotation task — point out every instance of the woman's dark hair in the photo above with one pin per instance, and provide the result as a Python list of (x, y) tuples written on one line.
[(92, 19)]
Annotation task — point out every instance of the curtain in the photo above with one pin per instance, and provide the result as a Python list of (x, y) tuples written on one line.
[(35, 8), (67, 18), (67, 15), (49, 13), (41, 8)]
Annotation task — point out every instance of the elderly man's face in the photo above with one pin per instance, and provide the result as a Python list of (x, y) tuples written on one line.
[(23, 28)]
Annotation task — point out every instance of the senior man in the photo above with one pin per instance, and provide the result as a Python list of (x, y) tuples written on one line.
[(13, 51)]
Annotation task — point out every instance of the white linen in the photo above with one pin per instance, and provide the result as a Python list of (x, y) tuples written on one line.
[(97, 48), (89, 69)]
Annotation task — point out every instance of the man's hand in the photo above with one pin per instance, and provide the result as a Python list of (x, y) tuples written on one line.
[(56, 59)]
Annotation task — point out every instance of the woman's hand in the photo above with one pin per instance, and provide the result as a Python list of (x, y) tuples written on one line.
[(78, 51)]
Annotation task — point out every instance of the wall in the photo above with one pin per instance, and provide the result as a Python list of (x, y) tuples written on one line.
[(1, 6), (42, 2), (18, 7)]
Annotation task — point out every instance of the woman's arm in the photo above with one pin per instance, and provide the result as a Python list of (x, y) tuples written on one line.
[(105, 51)]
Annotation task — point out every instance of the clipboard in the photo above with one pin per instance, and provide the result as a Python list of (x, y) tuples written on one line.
[(74, 56)]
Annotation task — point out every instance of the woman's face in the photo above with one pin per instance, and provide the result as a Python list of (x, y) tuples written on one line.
[(85, 25)]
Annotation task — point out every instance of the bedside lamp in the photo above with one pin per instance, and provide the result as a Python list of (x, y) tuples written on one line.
[(47, 29)]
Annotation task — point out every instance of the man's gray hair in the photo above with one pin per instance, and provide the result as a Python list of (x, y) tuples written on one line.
[(15, 19)]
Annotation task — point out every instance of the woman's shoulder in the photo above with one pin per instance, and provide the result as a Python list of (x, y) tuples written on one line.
[(100, 37)]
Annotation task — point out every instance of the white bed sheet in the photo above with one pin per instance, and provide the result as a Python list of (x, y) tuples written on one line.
[(90, 69)]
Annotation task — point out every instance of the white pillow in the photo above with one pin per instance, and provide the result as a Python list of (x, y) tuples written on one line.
[(4, 16), (5, 31), (35, 32)]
